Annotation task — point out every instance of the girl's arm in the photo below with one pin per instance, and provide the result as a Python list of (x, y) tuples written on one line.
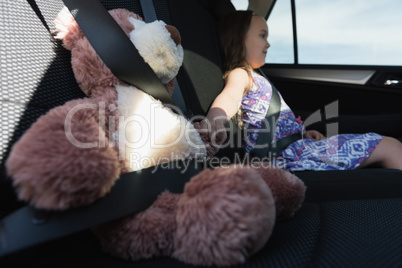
[(225, 106)]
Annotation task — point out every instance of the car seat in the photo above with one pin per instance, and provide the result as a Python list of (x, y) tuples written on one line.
[(349, 218)]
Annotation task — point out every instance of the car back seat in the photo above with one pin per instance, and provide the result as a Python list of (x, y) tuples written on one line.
[(349, 219)]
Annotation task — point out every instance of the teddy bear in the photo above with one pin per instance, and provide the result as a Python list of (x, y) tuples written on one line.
[(73, 155)]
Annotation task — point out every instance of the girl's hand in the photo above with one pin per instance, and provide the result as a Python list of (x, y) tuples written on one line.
[(211, 151), (213, 126), (215, 130), (314, 134)]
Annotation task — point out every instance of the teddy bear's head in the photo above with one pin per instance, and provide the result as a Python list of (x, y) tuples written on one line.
[(158, 44)]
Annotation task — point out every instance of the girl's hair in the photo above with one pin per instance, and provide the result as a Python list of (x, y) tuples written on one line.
[(233, 30)]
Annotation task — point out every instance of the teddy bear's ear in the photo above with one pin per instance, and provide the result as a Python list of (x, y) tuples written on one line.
[(67, 29), (137, 23)]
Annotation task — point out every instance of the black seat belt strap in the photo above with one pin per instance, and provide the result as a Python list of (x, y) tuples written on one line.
[(115, 48), (280, 145), (132, 193), (148, 9), (264, 144), (264, 140)]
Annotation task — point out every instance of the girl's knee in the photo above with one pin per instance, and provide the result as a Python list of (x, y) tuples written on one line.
[(392, 144), (391, 153), (388, 154)]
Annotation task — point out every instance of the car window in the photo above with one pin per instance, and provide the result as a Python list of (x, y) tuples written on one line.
[(281, 34), (240, 4), (340, 32)]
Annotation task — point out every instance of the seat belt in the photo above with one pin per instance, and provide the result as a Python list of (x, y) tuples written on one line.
[(129, 66), (264, 145), (148, 9), (132, 193)]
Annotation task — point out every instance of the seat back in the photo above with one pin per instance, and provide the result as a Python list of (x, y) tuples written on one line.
[(200, 76), (35, 76)]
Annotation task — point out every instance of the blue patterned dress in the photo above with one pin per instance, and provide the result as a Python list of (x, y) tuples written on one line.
[(339, 152)]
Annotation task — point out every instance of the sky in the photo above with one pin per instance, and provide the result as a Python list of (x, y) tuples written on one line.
[(366, 32)]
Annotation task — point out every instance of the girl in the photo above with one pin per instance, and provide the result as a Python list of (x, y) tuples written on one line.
[(247, 95)]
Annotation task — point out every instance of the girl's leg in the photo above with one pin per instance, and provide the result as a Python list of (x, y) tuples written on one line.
[(388, 154)]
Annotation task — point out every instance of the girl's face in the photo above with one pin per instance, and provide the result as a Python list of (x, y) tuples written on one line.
[(256, 42)]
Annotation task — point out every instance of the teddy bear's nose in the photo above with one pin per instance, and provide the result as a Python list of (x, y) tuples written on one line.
[(174, 33)]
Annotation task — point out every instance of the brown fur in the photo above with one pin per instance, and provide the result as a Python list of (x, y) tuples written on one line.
[(225, 216), (57, 177)]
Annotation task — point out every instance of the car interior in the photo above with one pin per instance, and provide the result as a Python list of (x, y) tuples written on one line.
[(348, 219)]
